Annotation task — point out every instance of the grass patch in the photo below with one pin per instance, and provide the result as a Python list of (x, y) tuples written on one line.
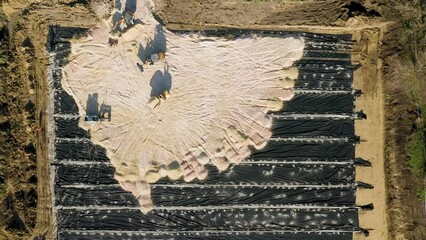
[(410, 76), (4, 58), (415, 150), (421, 195), (410, 72)]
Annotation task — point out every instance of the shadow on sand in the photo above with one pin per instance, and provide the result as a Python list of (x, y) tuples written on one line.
[(156, 45), (131, 6), (160, 82), (94, 112), (92, 105)]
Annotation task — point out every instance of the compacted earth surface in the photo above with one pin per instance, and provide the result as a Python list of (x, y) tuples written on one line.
[(25, 184)]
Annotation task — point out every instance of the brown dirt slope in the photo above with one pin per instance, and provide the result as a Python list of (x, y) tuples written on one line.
[(406, 216), (25, 159), (272, 12), (18, 180)]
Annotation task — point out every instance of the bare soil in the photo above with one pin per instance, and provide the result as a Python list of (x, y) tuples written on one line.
[(24, 171), (406, 214), (368, 78), (25, 80)]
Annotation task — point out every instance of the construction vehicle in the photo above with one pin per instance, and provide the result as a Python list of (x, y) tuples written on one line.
[(127, 18), (155, 101), (156, 57)]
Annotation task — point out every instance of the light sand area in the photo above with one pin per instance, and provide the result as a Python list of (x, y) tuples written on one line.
[(220, 92), (368, 78)]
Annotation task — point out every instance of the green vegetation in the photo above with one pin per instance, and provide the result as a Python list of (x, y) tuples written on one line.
[(411, 69), (415, 149), (3, 58), (421, 195)]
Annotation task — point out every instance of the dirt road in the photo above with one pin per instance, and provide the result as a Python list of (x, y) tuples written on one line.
[(368, 78)]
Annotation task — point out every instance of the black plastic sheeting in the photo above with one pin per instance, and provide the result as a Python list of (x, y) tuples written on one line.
[(256, 235), (62, 51), (289, 150), (284, 191), (324, 74), (339, 77), (320, 103), (248, 173), (313, 128), (68, 128), (81, 150), (260, 219), (85, 174), (59, 35), (328, 66), (199, 196), (64, 103), (327, 54), (277, 174), (309, 81)]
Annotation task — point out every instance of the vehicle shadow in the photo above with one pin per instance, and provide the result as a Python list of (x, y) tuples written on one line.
[(92, 105), (156, 45), (161, 81)]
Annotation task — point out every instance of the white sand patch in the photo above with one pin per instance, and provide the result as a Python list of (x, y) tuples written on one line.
[(220, 92)]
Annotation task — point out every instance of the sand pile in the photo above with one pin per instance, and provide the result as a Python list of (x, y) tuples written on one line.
[(220, 92)]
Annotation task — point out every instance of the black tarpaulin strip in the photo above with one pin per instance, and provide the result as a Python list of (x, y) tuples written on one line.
[(101, 196), (256, 235), (230, 196), (323, 64), (253, 173), (332, 72), (61, 58), (313, 127), (266, 173), (338, 77), (320, 103), (85, 174), (326, 54), (325, 37), (64, 47), (313, 46), (186, 196), (68, 128), (285, 150), (56, 79), (63, 34), (298, 160), (64, 103), (322, 85), (214, 219), (81, 151)]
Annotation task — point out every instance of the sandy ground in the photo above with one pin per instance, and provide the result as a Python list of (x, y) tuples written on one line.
[(368, 78), (220, 93), (397, 214)]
